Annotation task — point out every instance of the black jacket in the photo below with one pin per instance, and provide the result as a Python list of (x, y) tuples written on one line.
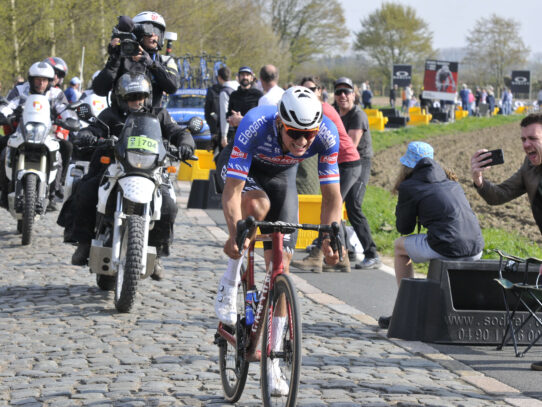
[(440, 205), (162, 73), (242, 100)]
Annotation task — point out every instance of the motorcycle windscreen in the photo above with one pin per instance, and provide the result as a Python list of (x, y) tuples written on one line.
[(37, 110), (141, 132)]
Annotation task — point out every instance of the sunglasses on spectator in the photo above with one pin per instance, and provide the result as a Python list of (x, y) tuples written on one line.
[(296, 134), (343, 91)]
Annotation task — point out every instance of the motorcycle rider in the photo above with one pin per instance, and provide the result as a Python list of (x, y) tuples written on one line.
[(149, 29), (40, 80), (132, 94)]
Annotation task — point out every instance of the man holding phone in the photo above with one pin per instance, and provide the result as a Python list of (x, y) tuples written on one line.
[(525, 180)]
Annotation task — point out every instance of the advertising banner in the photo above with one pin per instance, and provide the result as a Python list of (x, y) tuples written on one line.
[(521, 82), (440, 80), (402, 75)]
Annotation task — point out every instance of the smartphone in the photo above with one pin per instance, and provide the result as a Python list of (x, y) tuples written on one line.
[(497, 157)]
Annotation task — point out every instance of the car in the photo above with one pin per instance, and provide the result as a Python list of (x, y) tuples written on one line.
[(185, 104)]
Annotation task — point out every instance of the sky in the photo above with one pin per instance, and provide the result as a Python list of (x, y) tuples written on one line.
[(451, 20)]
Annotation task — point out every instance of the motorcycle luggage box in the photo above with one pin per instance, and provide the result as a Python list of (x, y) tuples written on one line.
[(100, 259)]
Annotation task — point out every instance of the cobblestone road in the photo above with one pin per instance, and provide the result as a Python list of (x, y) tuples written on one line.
[(63, 344)]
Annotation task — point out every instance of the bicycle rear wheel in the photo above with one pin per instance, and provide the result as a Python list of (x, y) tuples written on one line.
[(287, 353), (232, 362)]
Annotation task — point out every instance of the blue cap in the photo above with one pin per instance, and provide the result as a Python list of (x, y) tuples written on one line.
[(246, 69), (415, 152)]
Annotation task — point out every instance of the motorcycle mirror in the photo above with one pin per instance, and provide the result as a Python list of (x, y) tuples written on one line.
[(171, 36), (84, 111), (195, 124)]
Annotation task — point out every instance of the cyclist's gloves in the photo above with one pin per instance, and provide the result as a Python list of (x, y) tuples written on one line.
[(85, 138), (185, 152)]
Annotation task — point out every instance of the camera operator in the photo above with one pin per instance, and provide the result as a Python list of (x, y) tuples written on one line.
[(134, 48)]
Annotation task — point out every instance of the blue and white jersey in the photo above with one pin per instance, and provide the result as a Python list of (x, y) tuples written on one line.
[(256, 140)]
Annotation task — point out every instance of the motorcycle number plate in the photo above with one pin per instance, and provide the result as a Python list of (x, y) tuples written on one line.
[(142, 143)]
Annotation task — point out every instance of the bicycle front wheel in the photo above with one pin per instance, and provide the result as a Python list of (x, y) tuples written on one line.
[(232, 362), (281, 346)]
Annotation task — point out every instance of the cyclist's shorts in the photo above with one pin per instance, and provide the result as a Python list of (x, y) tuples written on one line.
[(279, 185)]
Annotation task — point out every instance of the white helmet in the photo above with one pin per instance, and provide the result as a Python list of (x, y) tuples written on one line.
[(149, 22), (300, 108), (42, 70)]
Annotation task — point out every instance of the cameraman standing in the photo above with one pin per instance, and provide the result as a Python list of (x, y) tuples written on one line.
[(134, 48)]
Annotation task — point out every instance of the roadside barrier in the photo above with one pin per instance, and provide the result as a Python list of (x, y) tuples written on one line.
[(199, 169), (458, 303)]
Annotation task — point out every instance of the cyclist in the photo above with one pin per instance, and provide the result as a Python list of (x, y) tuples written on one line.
[(259, 169)]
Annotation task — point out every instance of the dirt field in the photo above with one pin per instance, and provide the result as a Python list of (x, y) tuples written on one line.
[(454, 152)]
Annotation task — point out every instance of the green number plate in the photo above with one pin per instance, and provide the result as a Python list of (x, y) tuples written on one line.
[(142, 143)]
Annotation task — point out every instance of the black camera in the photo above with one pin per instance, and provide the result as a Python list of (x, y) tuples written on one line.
[(129, 47)]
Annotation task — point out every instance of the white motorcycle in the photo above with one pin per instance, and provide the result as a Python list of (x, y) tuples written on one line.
[(31, 163), (129, 203)]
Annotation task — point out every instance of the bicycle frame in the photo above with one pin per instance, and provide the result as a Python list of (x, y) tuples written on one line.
[(270, 276)]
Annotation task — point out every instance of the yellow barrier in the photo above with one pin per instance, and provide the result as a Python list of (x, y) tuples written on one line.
[(309, 212), (461, 114), (373, 112), (419, 119), (521, 109), (377, 123), (496, 111), (199, 169), (415, 110)]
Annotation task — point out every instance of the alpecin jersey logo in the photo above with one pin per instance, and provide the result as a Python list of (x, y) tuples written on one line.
[(37, 106), (237, 153), (330, 159)]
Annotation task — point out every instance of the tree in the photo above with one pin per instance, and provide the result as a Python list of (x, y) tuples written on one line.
[(494, 47), (394, 34), (308, 28)]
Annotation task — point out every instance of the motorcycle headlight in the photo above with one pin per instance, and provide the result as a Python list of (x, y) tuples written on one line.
[(141, 160), (35, 132)]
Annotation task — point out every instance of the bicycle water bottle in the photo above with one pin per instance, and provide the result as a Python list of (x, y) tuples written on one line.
[(249, 311)]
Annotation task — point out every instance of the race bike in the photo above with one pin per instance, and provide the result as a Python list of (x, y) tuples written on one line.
[(129, 203), (32, 161)]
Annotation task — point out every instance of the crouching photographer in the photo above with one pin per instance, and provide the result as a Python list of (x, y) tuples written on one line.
[(134, 48)]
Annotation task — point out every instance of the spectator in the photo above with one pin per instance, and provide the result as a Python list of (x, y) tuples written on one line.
[(212, 106), (478, 98), (325, 95), (366, 97), (464, 96), (357, 126), (242, 100), (406, 98), (431, 197), (350, 182), (72, 93), (269, 76), (506, 101), (490, 100), (224, 100), (393, 95), (539, 99)]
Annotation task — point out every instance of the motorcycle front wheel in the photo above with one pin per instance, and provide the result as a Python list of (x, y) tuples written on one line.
[(29, 209), (131, 263)]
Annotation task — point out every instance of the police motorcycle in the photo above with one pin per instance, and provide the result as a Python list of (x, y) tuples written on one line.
[(32, 161), (129, 203)]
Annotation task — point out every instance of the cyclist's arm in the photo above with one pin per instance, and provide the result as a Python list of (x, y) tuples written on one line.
[(231, 204), (331, 203)]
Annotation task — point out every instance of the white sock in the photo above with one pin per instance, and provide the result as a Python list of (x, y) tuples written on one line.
[(232, 276), (276, 332)]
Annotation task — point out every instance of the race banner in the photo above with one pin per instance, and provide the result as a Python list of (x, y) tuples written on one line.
[(402, 75), (521, 82), (440, 80)]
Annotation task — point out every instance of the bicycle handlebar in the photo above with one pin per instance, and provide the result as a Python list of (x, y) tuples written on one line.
[(246, 226)]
